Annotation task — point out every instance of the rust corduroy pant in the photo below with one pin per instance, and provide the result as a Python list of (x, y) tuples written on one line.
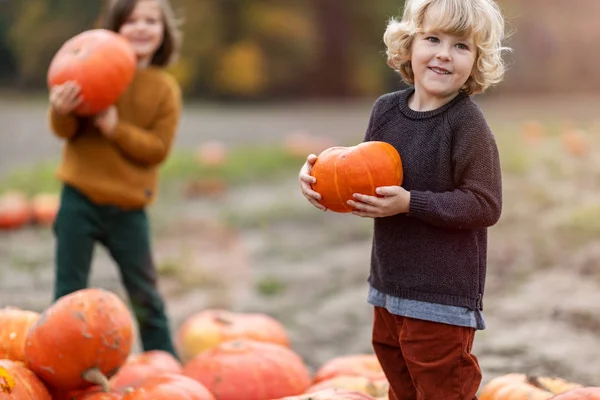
[(425, 360)]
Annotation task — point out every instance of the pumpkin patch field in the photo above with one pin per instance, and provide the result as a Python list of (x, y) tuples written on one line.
[(267, 294)]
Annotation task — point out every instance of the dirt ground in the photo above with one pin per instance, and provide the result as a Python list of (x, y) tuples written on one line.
[(262, 248)]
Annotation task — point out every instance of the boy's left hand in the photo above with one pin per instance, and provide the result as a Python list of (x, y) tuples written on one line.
[(106, 121), (395, 200)]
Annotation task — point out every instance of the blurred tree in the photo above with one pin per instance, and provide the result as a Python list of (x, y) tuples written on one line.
[(40, 27), (8, 68), (246, 49)]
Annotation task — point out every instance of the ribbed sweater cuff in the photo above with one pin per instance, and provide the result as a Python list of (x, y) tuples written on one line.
[(418, 203)]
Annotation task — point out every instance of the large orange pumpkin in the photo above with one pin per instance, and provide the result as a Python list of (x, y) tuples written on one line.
[(19, 383), (14, 210), (343, 171), (168, 386), (366, 365), (14, 324), (101, 62), (139, 367), (80, 340), (249, 370), (585, 393), (209, 328), (331, 394)]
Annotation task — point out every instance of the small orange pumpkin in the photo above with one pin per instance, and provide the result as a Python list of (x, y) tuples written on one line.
[(14, 324), (517, 386), (366, 365), (343, 171), (139, 367), (377, 388), (331, 394), (169, 386), (44, 208), (80, 340), (15, 210), (19, 383), (209, 328), (584, 393), (102, 62), (250, 370)]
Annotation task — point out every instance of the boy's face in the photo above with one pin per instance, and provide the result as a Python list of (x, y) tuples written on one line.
[(144, 29), (441, 62)]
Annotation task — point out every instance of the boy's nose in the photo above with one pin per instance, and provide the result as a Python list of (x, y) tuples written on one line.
[(443, 55)]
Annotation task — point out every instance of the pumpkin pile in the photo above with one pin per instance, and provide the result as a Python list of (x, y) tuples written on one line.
[(79, 348), (17, 210)]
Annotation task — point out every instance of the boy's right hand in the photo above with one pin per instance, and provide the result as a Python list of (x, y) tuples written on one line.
[(65, 98), (306, 180)]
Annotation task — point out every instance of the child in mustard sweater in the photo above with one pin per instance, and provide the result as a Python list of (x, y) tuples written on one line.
[(110, 165)]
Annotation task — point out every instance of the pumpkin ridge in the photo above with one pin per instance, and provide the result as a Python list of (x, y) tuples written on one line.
[(335, 180), (368, 170)]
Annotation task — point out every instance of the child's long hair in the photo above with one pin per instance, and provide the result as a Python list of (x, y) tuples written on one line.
[(480, 18), (117, 13)]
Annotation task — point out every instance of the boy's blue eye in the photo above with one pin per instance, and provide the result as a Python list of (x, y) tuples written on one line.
[(432, 39), (462, 46)]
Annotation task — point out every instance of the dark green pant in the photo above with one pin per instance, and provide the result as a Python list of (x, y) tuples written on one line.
[(125, 233)]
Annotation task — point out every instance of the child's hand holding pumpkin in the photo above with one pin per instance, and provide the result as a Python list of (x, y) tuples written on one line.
[(394, 200), (66, 97), (106, 121)]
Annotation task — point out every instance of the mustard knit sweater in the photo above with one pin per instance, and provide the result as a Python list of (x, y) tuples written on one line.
[(122, 170)]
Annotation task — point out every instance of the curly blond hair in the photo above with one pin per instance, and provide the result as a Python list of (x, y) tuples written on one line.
[(480, 19)]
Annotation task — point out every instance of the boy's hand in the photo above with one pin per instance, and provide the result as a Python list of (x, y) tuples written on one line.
[(106, 121), (395, 200), (65, 98), (306, 180)]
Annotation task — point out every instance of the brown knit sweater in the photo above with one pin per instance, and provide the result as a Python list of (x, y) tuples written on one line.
[(122, 170), (437, 252)]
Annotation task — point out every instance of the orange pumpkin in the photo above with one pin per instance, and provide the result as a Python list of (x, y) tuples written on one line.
[(212, 153), (584, 393), (139, 367), (44, 208), (249, 370), (101, 62), (170, 387), (14, 210), (520, 386), (80, 340), (95, 395), (209, 328), (575, 142), (377, 388), (343, 171), (14, 324), (331, 394), (366, 365), (19, 383)]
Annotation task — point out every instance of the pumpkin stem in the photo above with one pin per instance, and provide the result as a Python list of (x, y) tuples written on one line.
[(95, 376), (223, 320), (535, 381)]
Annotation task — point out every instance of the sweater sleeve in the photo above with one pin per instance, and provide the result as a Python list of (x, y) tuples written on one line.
[(476, 200), (151, 146), (63, 126)]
